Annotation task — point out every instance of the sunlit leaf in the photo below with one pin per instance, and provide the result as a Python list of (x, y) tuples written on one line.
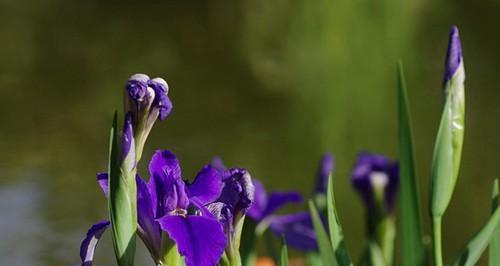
[(494, 259), (284, 253), (122, 208), (325, 248), (336, 233), (376, 256), (411, 224), (473, 250)]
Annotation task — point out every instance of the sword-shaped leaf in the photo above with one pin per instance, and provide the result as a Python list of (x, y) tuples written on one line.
[(411, 223), (325, 248), (473, 250), (284, 253), (494, 259), (336, 233)]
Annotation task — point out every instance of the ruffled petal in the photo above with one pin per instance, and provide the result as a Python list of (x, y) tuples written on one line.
[(199, 239), (207, 185), (89, 244), (238, 191), (278, 199), (297, 229), (259, 204), (218, 164), (148, 229), (102, 180), (326, 166), (168, 191)]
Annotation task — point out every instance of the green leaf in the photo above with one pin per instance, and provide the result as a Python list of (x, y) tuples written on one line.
[(284, 253), (336, 233), (313, 259), (376, 256), (122, 202), (249, 238), (472, 251), (411, 221), (325, 248), (494, 259)]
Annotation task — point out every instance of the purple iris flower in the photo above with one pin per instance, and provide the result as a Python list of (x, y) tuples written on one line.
[(146, 100), (376, 178), (454, 55), (297, 227), (168, 204), (145, 94), (232, 205)]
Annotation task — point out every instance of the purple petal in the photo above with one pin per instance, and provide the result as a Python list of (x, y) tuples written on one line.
[(297, 229), (137, 87), (222, 213), (218, 164), (207, 185), (127, 141), (454, 54), (200, 239), (325, 167), (148, 229), (362, 178), (278, 199), (161, 99), (89, 244), (168, 191), (102, 180), (238, 191), (259, 204)]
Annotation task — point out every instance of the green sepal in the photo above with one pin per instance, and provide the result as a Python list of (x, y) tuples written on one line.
[(122, 201), (448, 147)]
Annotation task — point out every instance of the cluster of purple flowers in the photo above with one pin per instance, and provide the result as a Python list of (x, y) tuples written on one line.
[(203, 219)]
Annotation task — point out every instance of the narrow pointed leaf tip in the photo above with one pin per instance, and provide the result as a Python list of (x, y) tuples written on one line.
[(454, 55), (494, 259), (336, 233), (411, 224), (324, 245)]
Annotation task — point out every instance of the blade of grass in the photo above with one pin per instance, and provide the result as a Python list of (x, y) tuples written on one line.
[(284, 253), (325, 248), (336, 233), (494, 259), (472, 251), (411, 221)]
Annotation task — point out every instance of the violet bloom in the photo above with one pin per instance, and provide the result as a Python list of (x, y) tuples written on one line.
[(297, 227), (168, 204), (231, 206), (454, 59), (376, 178), (146, 99)]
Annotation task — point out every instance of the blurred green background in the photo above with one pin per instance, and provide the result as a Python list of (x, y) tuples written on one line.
[(267, 85)]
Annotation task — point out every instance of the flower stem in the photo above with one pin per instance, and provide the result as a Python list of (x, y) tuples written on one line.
[(436, 241)]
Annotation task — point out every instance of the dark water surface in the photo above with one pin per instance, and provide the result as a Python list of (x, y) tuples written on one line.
[(266, 85)]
